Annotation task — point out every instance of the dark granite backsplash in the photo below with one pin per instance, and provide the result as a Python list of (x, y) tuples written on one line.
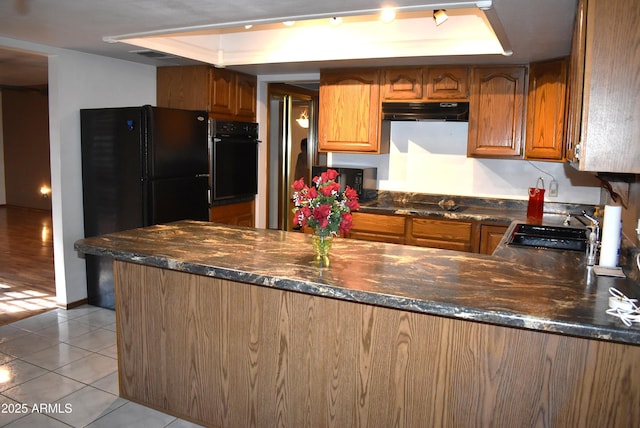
[(402, 198)]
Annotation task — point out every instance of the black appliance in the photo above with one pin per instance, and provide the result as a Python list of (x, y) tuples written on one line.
[(362, 179), (234, 161), (140, 166)]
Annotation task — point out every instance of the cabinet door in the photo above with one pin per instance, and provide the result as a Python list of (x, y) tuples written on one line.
[(546, 110), (490, 237), (496, 111), (402, 84), (576, 83), (246, 96), (445, 234), (447, 83), (183, 87), (222, 93), (378, 227), (349, 117), (609, 131)]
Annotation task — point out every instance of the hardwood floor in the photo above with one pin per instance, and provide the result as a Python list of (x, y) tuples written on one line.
[(27, 284)]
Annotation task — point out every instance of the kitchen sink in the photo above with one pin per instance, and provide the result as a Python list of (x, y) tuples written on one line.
[(554, 237)]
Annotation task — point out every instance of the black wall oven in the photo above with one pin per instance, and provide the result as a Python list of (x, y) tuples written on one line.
[(234, 161)]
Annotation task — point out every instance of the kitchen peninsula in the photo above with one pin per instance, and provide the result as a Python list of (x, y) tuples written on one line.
[(231, 326)]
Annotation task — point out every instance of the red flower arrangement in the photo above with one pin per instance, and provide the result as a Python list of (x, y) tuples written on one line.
[(323, 207)]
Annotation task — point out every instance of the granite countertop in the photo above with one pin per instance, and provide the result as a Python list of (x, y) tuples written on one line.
[(466, 208), (546, 290)]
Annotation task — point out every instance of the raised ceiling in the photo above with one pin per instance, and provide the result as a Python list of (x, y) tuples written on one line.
[(536, 30)]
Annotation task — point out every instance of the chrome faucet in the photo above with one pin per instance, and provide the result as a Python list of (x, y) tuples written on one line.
[(593, 239), (594, 223)]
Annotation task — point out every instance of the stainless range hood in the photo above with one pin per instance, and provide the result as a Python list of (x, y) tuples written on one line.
[(446, 111)]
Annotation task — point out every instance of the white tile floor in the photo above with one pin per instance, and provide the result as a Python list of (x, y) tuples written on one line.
[(60, 369)]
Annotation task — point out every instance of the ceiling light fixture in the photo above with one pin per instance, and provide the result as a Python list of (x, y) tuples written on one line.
[(335, 21), (439, 16), (289, 23), (387, 15)]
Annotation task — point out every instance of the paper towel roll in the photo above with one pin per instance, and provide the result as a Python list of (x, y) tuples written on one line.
[(611, 236)]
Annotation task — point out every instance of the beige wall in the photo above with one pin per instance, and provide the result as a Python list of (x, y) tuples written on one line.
[(25, 119)]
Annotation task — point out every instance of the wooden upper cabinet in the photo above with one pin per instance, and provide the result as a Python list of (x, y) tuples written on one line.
[(546, 110), (496, 111), (183, 87), (576, 83), (225, 94), (349, 117), (422, 84), (402, 84), (447, 83), (233, 95), (606, 75), (246, 96), (222, 92)]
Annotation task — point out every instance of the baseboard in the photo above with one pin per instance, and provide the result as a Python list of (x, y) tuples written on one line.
[(73, 304)]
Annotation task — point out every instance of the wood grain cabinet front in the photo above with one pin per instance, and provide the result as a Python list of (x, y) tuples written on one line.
[(441, 233), (496, 111), (402, 84), (378, 227), (447, 83), (490, 237), (225, 94), (350, 114), (603, 133), (546, 110), (422, 84)]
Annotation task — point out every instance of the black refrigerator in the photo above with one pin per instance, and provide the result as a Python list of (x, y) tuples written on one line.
[(140, 166)]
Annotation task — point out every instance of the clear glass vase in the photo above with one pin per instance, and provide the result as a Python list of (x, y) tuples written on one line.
[(322, 245)]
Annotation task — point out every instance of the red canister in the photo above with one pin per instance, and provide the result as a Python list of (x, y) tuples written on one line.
[(536, 202)]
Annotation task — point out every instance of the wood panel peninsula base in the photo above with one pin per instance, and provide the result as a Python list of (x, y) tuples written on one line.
[(225, 353)]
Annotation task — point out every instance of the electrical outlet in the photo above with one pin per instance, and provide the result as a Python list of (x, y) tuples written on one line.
[(553, 188)]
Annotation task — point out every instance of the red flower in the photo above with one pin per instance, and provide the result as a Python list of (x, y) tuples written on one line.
[(321, 214), (322, 206), (353, 204), (332, 174), (346, 223), (350, 193), (330, 188), (298, 185)]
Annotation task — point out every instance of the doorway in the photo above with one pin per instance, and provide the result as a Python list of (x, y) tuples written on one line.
[(292, 124)]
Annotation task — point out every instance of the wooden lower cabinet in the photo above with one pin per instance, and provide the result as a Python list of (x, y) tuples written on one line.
[(240, 214), (440, 233), (378, 227), (490, 237), (460, 235), (229, 354)]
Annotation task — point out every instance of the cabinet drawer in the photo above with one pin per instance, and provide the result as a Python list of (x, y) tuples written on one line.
[(441, 229), (381, 223), (447, 234)]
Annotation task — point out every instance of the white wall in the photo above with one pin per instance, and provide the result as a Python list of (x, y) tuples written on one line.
[(78, 81), (430, 157)]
